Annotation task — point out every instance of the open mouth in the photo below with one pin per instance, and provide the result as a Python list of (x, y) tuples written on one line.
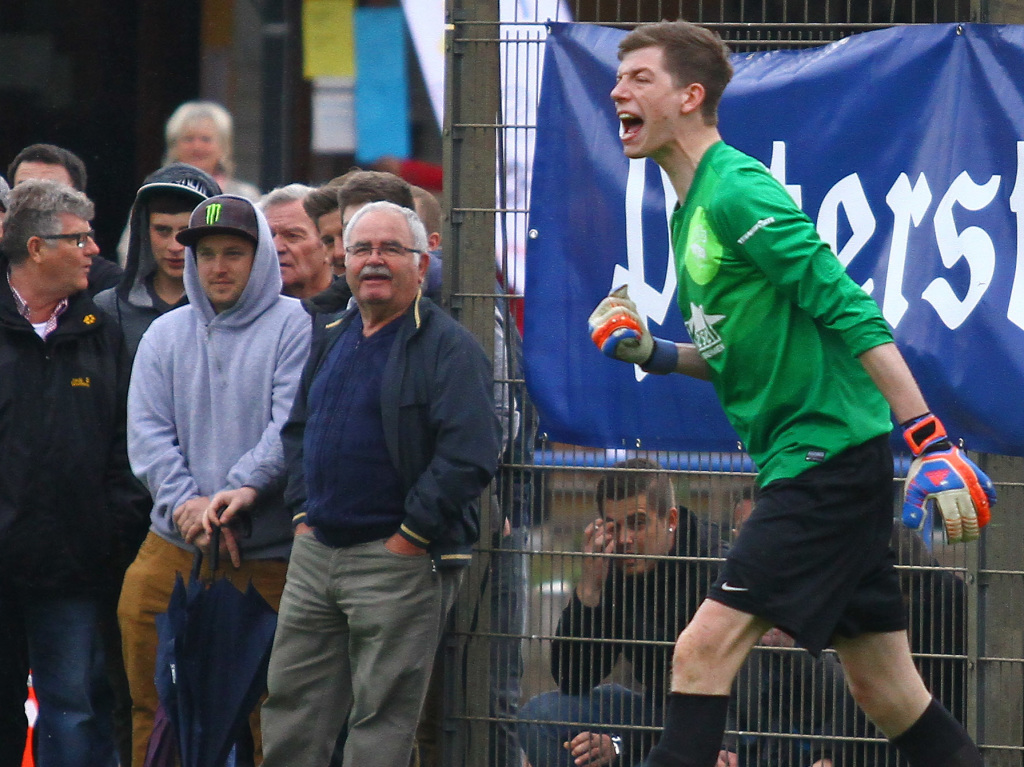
[(629, 125)]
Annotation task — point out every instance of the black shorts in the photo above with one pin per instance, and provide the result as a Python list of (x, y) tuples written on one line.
[(814, 557)]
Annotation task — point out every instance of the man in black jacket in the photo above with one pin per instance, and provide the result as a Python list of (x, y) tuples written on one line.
[(647, 564), (70, 509), (391, 441)]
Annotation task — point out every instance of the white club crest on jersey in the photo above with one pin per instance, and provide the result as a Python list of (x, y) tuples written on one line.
[(702, 331)]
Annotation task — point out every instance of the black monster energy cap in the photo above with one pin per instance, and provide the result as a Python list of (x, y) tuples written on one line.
[(223, 214)]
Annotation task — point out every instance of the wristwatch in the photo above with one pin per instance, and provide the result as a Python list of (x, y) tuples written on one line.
[(617, 745)]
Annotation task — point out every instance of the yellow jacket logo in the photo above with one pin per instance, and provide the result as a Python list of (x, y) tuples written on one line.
[(213, 213), (81, 381), (89, 319)]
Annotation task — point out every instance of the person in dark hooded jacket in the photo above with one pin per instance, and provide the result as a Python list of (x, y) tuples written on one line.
[(153, 279)]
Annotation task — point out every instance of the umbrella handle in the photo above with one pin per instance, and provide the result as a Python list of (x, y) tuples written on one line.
[(214, 548), (197, 565), (197, 560)]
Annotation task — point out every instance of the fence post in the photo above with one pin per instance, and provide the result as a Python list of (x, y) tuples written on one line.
[(472, 98), (999, 688)]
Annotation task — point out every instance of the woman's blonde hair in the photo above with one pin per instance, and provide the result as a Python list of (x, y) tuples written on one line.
[(189, 114)]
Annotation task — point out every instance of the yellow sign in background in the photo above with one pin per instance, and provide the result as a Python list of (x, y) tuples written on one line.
[(328, 43)]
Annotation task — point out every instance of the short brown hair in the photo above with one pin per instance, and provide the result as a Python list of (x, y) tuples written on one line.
[(429, 208), (628, 479), (320, 202), (324, 199), (366, 186), (692, 54), (49, 154)]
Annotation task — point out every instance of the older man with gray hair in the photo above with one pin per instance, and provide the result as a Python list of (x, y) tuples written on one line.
[(70, 508), (391, 441), (305, 263)]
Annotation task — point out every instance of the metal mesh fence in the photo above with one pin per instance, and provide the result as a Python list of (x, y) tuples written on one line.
[(506, 653)]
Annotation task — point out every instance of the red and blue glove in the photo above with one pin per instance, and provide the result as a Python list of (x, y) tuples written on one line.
[(618, 330), (940, 472)]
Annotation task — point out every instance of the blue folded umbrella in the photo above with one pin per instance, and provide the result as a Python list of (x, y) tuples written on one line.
[(212, 656)]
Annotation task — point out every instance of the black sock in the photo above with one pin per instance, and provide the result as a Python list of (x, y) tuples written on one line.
[(692, 735), (936, 739)]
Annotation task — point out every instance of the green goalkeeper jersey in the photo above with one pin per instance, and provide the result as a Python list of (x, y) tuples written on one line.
[(776, 317)]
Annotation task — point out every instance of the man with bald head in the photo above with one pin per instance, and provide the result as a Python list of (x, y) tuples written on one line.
[(390, 443)]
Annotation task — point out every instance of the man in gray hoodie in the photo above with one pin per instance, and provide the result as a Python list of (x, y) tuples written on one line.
[(152, 283), (153, 279), (212, 385)]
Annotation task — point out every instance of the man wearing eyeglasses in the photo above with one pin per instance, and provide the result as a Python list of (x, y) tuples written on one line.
[(390, 443), (68, 501)]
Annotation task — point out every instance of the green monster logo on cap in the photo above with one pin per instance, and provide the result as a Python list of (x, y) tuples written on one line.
[(213, 213)]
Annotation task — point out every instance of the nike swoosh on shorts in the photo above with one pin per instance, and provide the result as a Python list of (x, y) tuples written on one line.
[(727, 587)]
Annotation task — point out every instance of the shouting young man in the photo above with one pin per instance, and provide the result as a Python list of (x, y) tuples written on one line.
[(807, 372)]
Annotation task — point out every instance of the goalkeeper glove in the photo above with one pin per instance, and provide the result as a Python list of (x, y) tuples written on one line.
[(617, 329), (940, 472)]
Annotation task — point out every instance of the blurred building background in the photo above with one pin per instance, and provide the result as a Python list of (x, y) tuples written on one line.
[(101, 78)]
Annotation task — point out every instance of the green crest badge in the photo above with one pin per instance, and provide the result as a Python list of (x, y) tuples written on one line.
[(703, 250)]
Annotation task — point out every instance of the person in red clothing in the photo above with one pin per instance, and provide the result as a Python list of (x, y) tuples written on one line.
[(417, 172)]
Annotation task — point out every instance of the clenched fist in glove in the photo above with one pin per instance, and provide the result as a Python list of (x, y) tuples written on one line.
[(962, 492), (618, 330)]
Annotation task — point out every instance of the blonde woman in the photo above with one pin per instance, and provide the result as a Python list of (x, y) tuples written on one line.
[(200, 133)]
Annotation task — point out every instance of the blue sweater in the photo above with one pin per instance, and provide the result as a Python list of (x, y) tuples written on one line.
[(354, 493), (437, 414)]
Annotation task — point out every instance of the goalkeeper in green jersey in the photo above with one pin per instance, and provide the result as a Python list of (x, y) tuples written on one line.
[(808, 375)]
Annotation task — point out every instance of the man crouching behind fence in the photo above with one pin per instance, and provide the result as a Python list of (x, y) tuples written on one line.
[(391, 441)]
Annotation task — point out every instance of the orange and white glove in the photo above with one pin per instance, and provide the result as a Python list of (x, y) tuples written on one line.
[(618, 330)]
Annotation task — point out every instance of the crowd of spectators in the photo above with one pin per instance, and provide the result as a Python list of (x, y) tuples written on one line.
[(155, 402), (277, 366)]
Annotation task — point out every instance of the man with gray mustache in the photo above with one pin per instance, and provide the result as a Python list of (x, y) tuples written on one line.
[(390, 443)]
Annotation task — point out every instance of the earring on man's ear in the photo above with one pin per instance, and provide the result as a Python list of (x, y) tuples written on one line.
[(671, 529)]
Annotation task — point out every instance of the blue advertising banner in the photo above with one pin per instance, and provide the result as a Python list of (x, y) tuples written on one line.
[(905, 147)]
